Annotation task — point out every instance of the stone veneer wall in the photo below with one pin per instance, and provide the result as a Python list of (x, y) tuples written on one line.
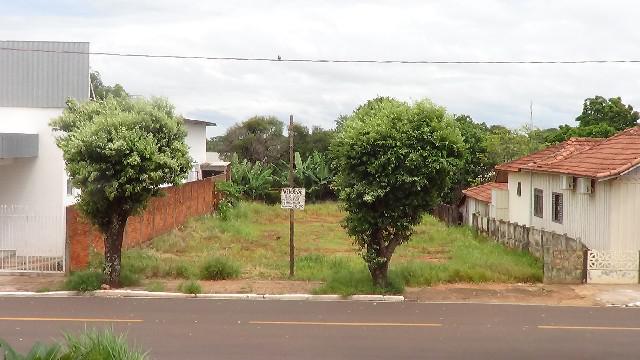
[(564, 258)]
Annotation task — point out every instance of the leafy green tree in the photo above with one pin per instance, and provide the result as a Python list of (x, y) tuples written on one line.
[(476, 167), (100, 91), (612, 112), (259, 138), (564, 132), (393, 161), (252, 180), (119, 152), (504, 144)]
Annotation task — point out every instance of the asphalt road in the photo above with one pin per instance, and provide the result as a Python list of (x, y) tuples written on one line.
[(242, 329)]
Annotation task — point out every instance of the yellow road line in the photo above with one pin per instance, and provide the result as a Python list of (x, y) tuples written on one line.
[(69, 319), (587, 327), (340, 323)]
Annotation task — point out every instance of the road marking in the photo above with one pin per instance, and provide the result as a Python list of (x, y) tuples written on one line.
[(69, 319), (341, 323), (587, 327)]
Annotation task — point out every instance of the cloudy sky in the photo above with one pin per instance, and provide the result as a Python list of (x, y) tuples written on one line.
[(226, 92)]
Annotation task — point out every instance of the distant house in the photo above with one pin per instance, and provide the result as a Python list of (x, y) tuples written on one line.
[(214, 166), (197, 142), (586, 188), (484, 200)]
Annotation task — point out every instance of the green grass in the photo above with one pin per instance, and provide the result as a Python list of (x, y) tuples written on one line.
[(90, 345), (84, 281), (190, 287), (256, 236), (155, 286)]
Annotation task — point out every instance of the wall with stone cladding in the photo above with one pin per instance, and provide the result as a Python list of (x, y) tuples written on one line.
[(563, 257), (162, 215)]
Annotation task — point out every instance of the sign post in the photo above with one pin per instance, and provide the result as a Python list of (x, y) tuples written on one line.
[(292, 248)]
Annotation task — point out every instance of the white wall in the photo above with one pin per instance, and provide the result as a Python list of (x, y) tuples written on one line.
[(499, 207), (585, 216), (472, 206), (38, 183), (625, 212), (197, 141)]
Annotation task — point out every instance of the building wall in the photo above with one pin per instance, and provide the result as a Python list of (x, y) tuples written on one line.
[(43, 79), (625, 209), (36, 183), (499, 207), (197, 141), (519, 206), (585, 216)]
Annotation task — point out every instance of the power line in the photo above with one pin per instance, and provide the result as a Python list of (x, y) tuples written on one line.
[(338, 61)]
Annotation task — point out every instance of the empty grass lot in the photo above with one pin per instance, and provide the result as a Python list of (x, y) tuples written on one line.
[(255, 239)]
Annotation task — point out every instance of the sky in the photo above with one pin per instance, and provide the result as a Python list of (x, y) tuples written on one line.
[(227, 92)]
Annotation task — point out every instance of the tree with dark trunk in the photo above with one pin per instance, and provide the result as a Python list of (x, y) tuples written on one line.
[(119, 152), (393, 161)]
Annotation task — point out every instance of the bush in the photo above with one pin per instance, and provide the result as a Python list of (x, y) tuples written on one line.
[(83, 281), (190, 287), (38, 352), (219, 268)]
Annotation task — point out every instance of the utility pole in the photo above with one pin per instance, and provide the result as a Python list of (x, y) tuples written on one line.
[(291, 216)]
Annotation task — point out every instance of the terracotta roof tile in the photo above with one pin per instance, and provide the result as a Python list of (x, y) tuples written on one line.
[(595, 158), (483, 192)]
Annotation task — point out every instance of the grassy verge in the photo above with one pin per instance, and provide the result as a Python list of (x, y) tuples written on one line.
[(255, 236)]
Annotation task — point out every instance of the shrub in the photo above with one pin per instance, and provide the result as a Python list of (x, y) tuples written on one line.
[(83, 281), (98, 345), (190, 287), (38, 352), (129, 278), (219, 268)]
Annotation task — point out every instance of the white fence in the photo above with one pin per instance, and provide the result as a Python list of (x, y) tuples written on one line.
[(30, 243), (613, 267)]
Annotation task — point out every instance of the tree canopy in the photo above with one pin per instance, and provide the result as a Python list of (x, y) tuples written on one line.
[(611, 112), (392, 161), (100, 91), (119, 152)]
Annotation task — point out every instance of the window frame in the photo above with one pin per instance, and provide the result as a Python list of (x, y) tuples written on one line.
[(557, 207), (538, 209), (519, 189)]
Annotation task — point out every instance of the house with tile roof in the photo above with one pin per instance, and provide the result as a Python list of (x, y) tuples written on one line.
[(586, 188), (485, 200)]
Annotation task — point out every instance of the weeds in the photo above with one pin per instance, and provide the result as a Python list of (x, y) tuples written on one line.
[(190, 287), (84, 281), (219, 268)]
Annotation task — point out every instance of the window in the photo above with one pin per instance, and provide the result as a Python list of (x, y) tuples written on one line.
[(537, 202), (519, 190), (556, 205)]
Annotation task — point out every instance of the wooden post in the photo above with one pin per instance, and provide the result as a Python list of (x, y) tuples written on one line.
[(291, 214)]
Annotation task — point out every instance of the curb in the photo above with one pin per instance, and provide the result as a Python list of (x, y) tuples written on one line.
[(168, 295)]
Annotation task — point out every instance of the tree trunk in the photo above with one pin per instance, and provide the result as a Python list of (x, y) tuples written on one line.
[(113, 251), (379, 274)]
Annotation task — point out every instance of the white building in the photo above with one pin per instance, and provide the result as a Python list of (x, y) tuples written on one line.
[(36, 79), (586, 188)]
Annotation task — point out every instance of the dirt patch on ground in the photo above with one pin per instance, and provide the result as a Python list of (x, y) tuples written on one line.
[(503, 293), (273, 287), (30, 282)]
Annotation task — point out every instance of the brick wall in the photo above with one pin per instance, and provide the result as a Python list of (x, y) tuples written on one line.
[(162, 215)]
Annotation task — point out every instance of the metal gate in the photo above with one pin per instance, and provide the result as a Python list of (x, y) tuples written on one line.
[(29, 242)]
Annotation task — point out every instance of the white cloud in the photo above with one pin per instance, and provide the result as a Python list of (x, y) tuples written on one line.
[(318, 93)]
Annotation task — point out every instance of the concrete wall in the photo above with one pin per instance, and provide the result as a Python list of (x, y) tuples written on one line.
[(585, 216), (36, 183)]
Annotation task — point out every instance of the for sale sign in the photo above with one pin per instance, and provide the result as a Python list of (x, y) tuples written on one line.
[(292, 198)]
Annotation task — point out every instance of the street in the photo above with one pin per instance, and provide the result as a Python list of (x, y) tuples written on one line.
[(241, 329)]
